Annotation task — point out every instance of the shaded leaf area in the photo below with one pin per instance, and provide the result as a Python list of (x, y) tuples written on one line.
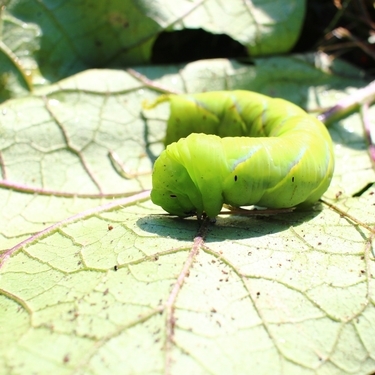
[(43, 41), (74, 37)]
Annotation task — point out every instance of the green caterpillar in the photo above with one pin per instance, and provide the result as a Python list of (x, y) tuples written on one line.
[(266, 152)]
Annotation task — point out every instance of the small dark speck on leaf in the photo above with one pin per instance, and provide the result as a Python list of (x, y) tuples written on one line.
[(235, 178), (115, 268), (110, 227), (292, 179), (173, 196)]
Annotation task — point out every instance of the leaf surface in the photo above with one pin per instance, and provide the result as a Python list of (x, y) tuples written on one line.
[(97, 280)]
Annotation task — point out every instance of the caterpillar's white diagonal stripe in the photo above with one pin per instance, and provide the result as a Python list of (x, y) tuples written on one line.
[(267, 152)]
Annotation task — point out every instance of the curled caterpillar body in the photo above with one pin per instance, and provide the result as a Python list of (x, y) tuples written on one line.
[(255, 150)]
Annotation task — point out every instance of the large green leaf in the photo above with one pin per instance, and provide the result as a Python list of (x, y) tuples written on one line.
[(95, 279)]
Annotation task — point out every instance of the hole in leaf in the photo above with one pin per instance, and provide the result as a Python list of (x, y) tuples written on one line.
[(194, 44)]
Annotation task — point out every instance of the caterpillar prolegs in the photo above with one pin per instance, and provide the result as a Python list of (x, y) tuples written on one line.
[(240, 148)]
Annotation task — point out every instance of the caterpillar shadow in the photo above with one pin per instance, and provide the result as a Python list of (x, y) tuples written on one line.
[(232, 227)]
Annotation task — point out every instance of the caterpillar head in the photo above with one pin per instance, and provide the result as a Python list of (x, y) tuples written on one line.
[(185, 179)]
